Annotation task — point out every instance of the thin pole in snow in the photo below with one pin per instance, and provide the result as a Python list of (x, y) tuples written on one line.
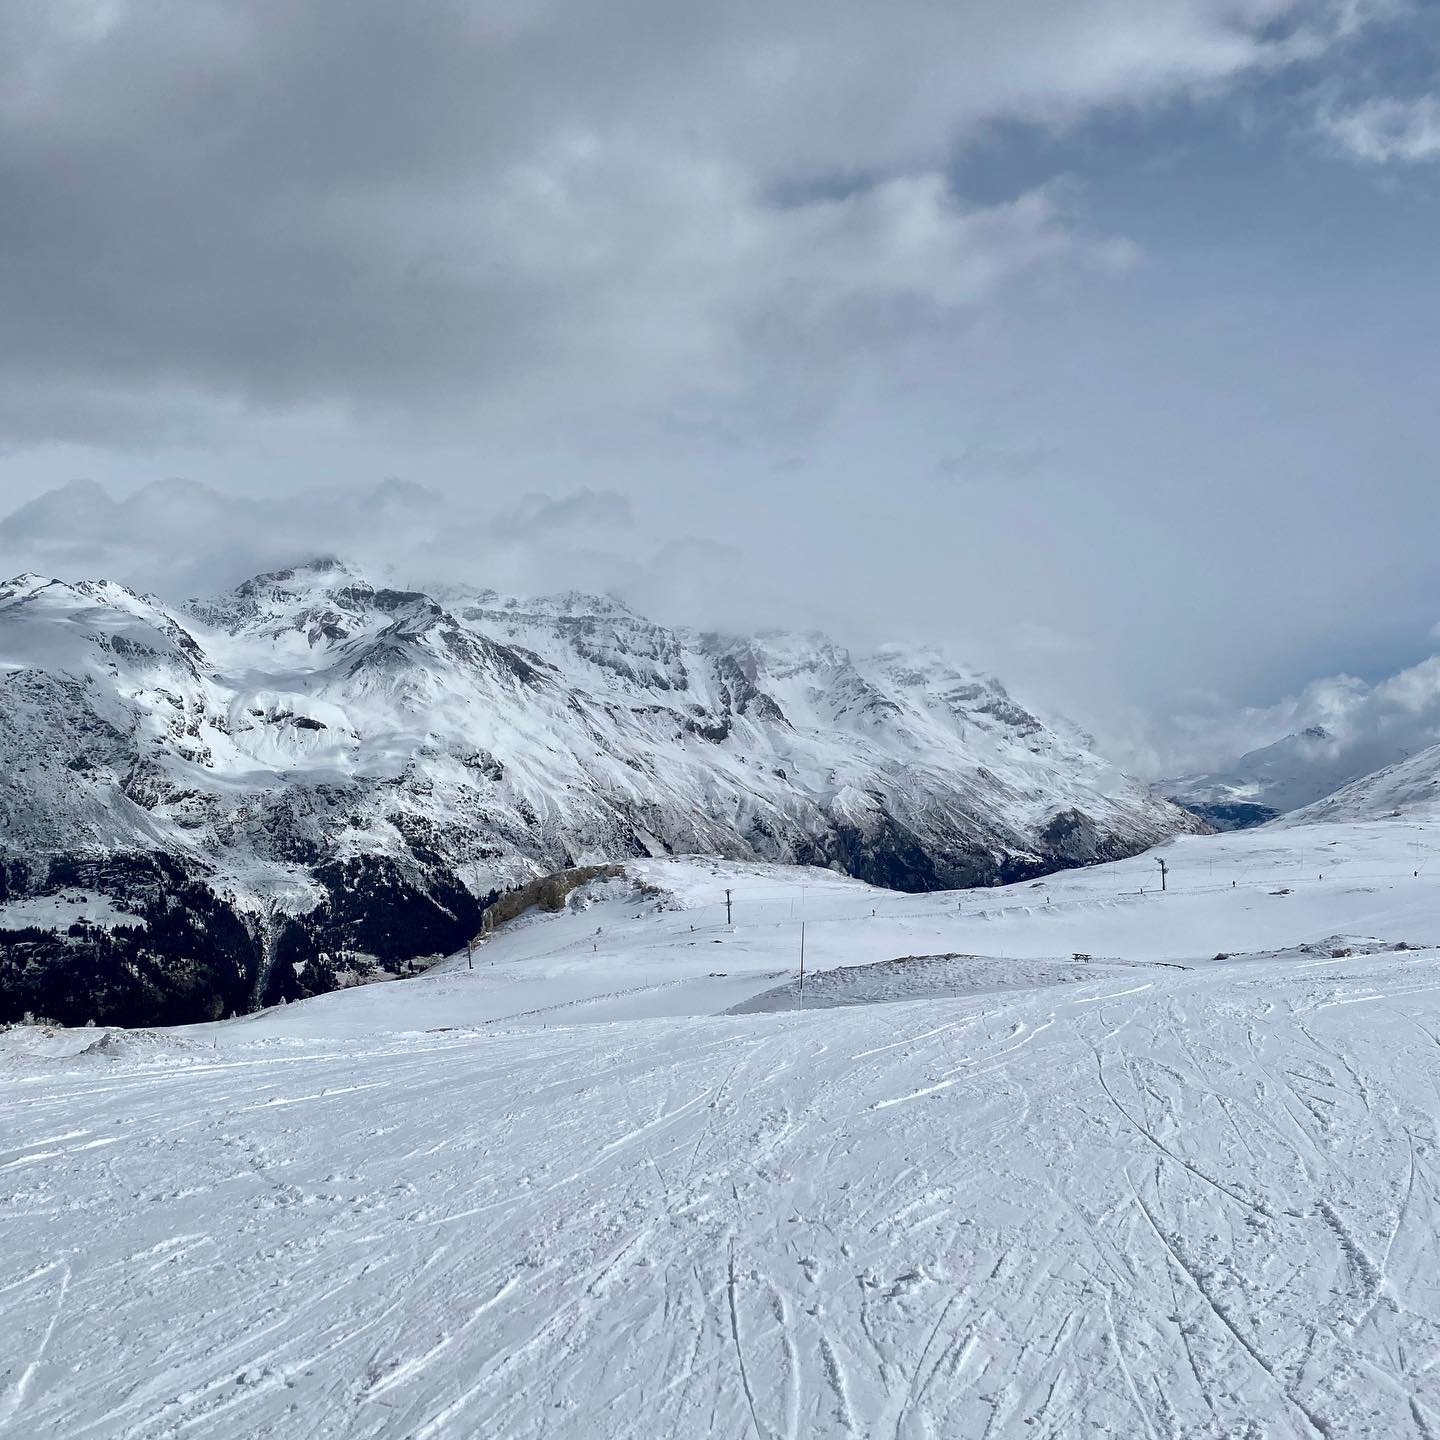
[(802, 962), (727, 907)]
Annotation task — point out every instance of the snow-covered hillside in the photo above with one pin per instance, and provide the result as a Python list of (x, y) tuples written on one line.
[(287, 781), (1407, 790), (1185, 1186)]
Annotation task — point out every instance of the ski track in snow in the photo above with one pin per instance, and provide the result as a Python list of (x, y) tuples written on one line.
[(1213, 1207), (1154, 1202)]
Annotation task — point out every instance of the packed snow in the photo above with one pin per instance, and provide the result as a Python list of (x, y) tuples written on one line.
[(1073, 1157)]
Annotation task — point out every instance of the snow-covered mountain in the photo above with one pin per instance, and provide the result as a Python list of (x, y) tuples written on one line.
[(1339, 729), (270, 788), (1290, 773), (1408, 790)]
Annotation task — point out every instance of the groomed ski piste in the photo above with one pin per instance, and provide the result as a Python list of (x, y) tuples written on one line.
[(1056, 1160)]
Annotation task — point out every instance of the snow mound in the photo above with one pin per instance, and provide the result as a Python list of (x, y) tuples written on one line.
[(28, 1047), (924, 977)]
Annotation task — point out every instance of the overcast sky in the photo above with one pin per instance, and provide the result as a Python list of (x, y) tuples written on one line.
[(1093, 338)]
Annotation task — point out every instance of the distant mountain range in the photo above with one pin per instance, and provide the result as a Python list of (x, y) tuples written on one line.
[(208, 807), (1266, 782), (1286, 776)]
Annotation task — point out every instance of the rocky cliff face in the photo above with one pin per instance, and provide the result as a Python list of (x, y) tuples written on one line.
[(255, 797)]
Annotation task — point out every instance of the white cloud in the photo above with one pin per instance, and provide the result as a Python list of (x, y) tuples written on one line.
[(1384, 130), (1368, 726), (178, 539)]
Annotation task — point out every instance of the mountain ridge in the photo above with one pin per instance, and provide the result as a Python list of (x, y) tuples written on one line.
[(349, 770)]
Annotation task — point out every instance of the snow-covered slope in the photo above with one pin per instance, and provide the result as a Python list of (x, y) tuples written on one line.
[(659, 943), (1407, 790), (337, 770), (1165, 1191)]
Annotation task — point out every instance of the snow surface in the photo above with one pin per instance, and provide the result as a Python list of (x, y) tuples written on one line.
[(647, 961), (1185, 1187), (63, 909)]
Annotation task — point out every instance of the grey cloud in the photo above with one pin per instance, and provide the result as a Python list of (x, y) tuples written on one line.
[(581, 509), (849, 290), (460, 207), (178, 538)]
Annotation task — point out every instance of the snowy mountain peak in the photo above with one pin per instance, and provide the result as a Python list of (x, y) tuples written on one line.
[(323, 603), (87, 628), (579, 603), (20, 586), (1287, 775), (28, 586)]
